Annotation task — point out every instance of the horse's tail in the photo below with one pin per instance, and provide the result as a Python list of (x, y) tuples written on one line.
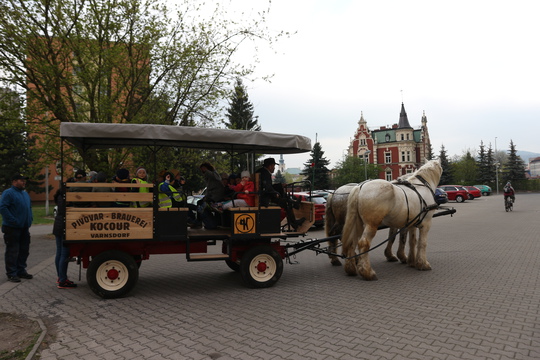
[(353, 223), (329, 218)]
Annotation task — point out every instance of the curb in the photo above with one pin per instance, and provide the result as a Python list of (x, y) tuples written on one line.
[(36, 346)]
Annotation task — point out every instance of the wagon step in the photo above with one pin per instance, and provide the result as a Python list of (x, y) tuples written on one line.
[(206, 257)]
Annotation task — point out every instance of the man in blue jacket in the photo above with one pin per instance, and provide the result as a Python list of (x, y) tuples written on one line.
[(16, 211)]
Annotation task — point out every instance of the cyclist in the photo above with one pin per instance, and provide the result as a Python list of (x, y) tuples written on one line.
[(509, 192)]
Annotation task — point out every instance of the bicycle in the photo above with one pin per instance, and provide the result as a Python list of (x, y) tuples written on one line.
[(508, 204)]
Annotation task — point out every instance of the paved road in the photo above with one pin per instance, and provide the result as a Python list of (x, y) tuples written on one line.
[(42, 247), (480, 301)]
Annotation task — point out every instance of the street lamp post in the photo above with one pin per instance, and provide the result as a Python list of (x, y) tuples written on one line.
[(366, 159), (496, 167), (497, 176)]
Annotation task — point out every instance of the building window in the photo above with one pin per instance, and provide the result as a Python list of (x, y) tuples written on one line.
[(403, 156), (401, 136), (408, 171), (388, 157), (387, 137), (407, 136), (408, 156), (363, 142), (388, 176)]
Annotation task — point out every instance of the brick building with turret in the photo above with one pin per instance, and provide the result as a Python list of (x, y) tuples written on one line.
[(398, 149)]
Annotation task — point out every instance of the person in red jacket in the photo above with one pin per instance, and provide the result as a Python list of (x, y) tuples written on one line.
[(509, 192), (245, 189)]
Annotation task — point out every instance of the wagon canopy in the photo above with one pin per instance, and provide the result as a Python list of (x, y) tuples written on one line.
[(95, 135)]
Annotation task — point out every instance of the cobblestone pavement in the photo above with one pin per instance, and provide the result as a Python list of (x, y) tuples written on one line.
[(480, 301)]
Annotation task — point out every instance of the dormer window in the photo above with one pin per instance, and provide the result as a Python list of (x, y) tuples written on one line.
[(387, 137)]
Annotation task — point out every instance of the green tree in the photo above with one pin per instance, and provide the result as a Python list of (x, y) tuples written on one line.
[(348, 171), (315, 169), (465, 171), (129, 61), (240, 117), (279, 178), (430, 155), (16, 153), (447, 176), (514, 169), (485, 166)]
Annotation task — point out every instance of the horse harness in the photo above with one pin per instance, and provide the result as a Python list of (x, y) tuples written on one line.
[(426, 208)]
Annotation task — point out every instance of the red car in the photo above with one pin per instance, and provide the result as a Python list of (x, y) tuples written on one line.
[(474, 191), (320, 205), (455, 193)]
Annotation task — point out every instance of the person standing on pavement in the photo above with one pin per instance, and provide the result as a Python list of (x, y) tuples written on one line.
[(61, 259), (16, 211)]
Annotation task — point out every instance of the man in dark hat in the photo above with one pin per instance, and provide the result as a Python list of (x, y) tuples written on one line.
[(16, 210), (268, 194), (80, 177)]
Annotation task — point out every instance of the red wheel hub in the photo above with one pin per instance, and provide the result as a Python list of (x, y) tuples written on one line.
[(112, 274), (261, 267)]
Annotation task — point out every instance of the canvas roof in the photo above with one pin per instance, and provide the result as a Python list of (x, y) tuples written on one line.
[(94, 135)]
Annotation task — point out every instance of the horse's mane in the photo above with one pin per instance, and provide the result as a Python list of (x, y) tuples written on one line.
[(431, 171)]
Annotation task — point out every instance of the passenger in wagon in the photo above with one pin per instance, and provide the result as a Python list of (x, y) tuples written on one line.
[(141, 177), (80, 177), (245, 189), (215, 192), (122, 176), (244, 193), (101, 177)]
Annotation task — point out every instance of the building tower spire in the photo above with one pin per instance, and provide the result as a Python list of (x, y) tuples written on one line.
[(403, 120)]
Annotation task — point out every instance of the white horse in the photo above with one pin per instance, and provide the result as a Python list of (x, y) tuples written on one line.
[(336, 211), (379, 202)]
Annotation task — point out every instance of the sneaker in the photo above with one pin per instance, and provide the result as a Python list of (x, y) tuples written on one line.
[(14, 279), (26, 276), (66, 285)]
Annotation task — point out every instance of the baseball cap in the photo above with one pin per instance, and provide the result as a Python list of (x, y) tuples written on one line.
[(18, 177), (80, 173)]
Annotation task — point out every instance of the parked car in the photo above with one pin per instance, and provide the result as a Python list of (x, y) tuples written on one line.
[(484, 189), (454, 193), (323, 193), (320, 205), (469, 195), (474, 191), (441, 197)]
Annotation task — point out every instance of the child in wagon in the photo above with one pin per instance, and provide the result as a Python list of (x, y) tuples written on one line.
[(245, 189)]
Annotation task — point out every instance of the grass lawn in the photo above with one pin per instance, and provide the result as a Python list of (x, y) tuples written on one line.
[(39, 215)]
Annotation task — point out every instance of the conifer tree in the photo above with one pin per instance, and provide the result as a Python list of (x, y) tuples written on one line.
[(240, 110), (447, 176), (240, 117), (485, 166), (315, 169), (515, 166)]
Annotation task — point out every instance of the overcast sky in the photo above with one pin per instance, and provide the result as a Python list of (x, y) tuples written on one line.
[(472, 66)]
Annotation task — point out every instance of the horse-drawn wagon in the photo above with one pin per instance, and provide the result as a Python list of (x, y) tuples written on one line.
[(111, 242)]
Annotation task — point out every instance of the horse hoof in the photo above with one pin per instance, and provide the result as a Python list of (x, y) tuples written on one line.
[(335, 263), (392, 259), (423, 267), (372, 278)]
